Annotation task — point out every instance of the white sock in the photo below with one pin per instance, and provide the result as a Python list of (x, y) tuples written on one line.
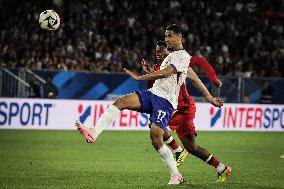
[(209, 158), (111, 114), (179, 149), (220, 167), (167, 158)]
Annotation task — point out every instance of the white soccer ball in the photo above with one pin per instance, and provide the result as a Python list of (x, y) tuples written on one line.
[(49, 20)]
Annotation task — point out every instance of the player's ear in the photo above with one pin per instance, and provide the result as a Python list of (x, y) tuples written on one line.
[(180, 37)]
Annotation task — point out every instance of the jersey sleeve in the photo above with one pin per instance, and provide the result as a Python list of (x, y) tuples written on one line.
[(205, 67)]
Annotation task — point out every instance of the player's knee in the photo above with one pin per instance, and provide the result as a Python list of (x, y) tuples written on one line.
[(156, 141), (120, 103), (154, 136)]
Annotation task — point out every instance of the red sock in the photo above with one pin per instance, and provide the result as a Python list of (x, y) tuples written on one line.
[(172, 143), (211, 160)]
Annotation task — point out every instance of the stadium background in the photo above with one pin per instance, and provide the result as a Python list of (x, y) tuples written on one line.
[(49, 79)]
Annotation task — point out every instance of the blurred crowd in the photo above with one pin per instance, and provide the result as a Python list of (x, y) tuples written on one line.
[(238, 37)]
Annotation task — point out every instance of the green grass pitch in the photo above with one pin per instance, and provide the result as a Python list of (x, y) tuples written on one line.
[(60, 159)]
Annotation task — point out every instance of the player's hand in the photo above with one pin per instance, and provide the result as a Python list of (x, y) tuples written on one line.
[(145, 66), (218, 83), (132, 74), (217, 102)]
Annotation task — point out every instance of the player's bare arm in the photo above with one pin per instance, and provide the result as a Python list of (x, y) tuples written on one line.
[(163, 73), (200, 86)]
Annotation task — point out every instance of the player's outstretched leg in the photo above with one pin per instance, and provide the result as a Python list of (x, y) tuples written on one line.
[(193, 148), (180, 153), (130, 101)]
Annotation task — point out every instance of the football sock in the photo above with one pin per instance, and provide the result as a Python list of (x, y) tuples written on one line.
[(221, 167), (167, 158), (111, 114), (173, 144), (211, 160)]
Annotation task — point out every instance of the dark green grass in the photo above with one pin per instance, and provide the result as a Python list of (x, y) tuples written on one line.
[(59, 159)]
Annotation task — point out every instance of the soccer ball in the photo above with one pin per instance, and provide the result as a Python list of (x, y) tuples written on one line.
[(49, 20)]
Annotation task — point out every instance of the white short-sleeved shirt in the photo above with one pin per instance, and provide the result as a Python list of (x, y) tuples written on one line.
[(169, 88)]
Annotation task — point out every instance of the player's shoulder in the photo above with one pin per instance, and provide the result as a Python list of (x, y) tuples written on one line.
[(198, 57), (180, 53)]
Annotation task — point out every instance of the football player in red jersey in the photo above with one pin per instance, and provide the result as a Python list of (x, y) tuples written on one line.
[(182, 119)]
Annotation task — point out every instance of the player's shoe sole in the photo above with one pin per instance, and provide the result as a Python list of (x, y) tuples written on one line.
[(224, 176), (85, 132), (180, 157)]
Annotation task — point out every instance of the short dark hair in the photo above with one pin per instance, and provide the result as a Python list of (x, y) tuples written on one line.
[(175, 28), (161, 43)]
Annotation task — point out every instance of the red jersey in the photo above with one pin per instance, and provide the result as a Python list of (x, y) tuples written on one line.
[(156, 67), (184, 99), (205, 67)]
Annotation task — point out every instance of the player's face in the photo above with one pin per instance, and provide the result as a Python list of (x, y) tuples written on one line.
[(172, 39), (161, 53)]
